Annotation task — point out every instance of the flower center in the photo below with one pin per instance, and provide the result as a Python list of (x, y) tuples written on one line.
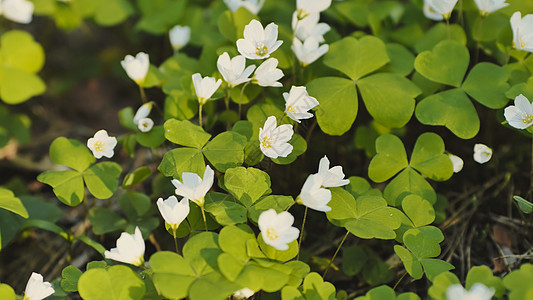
[(272, 234), (291, 109), (522, 44), (266, 142), (99, 146), (261, 50), (527, 119)]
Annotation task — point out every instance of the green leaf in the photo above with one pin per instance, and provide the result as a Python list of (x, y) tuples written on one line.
[(48, 226), (179, 105), (408, 182), (136, 177), (379, 293), (231, 25), (6, 292), (410, 262), (259, 113), (401, 60), (247, 184), (225, 151), (71, 153), (359, 186), (423, 242), (116, 282), (390, 159), (299, 147), (433, 267), (10, 202), (125, 116), (515, 282), (429, 159), (439, 33), (452, 109), (201, 252), (212, 286), (177, 161), (314, 287), (353, 260), (20, 58), (172, 274), (338, 103), (484, 275), (277, 202), (134, 204), (159, 16), (224, 209), (446, 63), (185, 133), (342, 205), (68, 185), (102, 179), (374, 219), (524, 205), (91, 243), (420, 211), (112, 12), (232, 239), (389, 98), (69, 279), (275, 254), (104, 220), (153, 138), (441, 283), (366, 55), (487, 84)]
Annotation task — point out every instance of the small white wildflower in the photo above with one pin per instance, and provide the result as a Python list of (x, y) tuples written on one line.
[(145, 124), (309, 27), (489, 6), (306, 7), (273, 140), (193, 187), (482, 153), (333, 177), (179, 36), (244, 293), (102, 144), (442, 7), (37, 288), (20, 11), (233, 70), (142, 112), (314, 195), (136, 67), (522, 28), (309, 51), (519, 115), (276, 229), (254, 6), (267, 74), (298, 102), (258, 43), (130, 249), (457, 163), (478, 291), (173, 212), (205, 87)]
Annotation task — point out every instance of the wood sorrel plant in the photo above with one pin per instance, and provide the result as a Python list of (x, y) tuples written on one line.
[(230, 173)]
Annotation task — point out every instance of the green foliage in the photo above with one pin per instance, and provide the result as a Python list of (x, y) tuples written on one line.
[(386, 293), (70, 276), (515, 282), (9, 202), (116, 282), (314, 287), (6, 292)]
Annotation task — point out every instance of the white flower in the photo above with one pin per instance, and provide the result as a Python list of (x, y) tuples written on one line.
[(102, 144), (309, 27), (306, 7), (333, 177), (309, 51), (478, 291), (145, 124), (519, 115), (205, 87), (258, 43), (173, 212), (193, 187), (298, 102), (244, 293), (430, 13), (37, 288), (130, 249), (20, 11), (442, 7), (482, 153), (522, 28), (233, 70), (276, 229), (136, 67), (273, 140), (267, 74), (313, 195), (142, 112), (457, 163), (489, 6), (254, 6), (179, 36)]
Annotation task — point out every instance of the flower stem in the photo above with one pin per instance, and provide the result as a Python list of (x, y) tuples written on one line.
[(143, 94), (203, 216), (228, 95), (175, 241), (200, 115), (240, 97), (478, 43), (335, 255), (301, 234)]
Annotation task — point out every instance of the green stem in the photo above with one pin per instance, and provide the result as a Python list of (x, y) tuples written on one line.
[(175, 241), (396, 285), (479, 32), (200, 115), (228, 95), (310, 132), (143, 94), (240, 96), (301, 234), (335, 255), (203, 216)]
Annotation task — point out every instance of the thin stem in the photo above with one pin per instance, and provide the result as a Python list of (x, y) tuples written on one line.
[(310, 132), (394, 288), (240, 96), (203, 216), (175, 241), (335, 255), (228, 95), (479, 32), (301, 234), (200, 114), (143, 94)]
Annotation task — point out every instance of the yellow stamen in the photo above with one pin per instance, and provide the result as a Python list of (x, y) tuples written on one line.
[(99, 146), (272, 234), (302, 14), (266, 142), (261, 50), (291, 109), (527, 119)]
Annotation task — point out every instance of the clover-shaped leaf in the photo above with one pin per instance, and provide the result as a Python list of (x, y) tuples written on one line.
[(67, 185), (420, 211), (71, 153), (484, 275), (390, 159), (338, 103), (114, 283), (515, 282), (441, 283), (185, 133), (102, 179), (179, 160), (487, 84), (367, 55), (69, 278), (446, 63), (429, 159), (6, 292), (313, 287), (224, 209), (9, 202), (438, 33), (20, 58), (247, 184), (452, 109), (225, 151), (277, 202)]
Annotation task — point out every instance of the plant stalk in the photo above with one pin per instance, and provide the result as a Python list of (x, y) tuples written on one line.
[(335, 255), (301, 234)]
